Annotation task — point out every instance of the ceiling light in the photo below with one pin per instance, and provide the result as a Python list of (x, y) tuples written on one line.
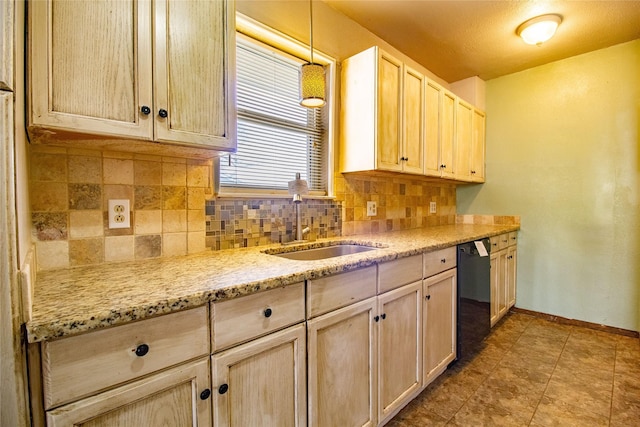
[(311, 75), (539, 29)]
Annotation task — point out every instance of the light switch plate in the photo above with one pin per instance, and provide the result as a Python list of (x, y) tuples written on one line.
[(432, 207)]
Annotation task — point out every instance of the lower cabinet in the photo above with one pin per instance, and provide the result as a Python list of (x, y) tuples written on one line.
[(439, 315), (174, 397), (341, 356), (262, 382), (503, 261), (399, 322)]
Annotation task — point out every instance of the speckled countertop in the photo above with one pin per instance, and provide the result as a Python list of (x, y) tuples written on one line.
[(71, 301)]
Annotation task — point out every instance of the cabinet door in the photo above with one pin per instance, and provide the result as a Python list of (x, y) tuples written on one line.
[(439, 323), (175, 397), (7, 9), (389, 147), (464, 117), (342, 354), (495, 283), (502, 283), (433, 99), (262, 382), (512, 258), (90, 66), (413, 114), (447, 134), (193, 52), (478, 146), (400, 353)]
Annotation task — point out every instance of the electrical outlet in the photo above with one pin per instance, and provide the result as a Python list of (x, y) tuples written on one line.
[(432, 207), (372, 208), (119, 213)]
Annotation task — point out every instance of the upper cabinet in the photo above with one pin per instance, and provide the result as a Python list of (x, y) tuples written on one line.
[(7, 9), (394, 119), (477, 146), (382, 114), (125, 69)]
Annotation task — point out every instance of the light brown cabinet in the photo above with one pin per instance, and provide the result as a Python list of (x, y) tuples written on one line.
[(262, 382), (478, 146), (175, 397), (464, 117), (342, 354), (7, 10), (439, 323), (382, 114), (503, 274), (119, 376), (161, 70), (399, 322)]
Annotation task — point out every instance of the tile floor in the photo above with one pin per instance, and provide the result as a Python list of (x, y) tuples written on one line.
[(532, 372)]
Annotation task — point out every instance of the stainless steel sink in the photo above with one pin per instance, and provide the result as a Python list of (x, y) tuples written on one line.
[(324, 252)]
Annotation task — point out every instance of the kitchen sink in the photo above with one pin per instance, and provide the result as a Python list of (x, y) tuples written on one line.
[(323, 252)]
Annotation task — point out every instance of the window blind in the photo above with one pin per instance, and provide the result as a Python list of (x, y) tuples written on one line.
[(276, 136)]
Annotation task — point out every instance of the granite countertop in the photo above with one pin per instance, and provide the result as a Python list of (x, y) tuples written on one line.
[(76, 300)]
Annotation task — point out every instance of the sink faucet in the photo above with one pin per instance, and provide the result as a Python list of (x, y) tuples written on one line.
[(297, 188)]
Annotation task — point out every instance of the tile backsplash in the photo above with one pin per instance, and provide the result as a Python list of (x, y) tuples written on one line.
[(69, 193), (241, 223), (173, 211), (402, 203)]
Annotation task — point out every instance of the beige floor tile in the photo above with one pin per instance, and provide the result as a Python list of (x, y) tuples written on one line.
[(552, 412), (474, 414), (533, 372), (582, 391)]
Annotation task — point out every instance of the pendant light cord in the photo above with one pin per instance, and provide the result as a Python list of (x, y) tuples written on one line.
[(311, 28)]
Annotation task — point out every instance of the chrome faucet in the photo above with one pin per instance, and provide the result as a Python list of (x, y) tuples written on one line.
[(297, 188)]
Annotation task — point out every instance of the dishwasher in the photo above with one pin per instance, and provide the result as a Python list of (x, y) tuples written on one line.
[(474, 296)]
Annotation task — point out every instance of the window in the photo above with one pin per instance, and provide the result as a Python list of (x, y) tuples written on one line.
[(276, 136)]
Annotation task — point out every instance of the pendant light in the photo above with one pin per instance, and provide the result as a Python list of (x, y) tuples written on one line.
[(538, 30), (311, 75)]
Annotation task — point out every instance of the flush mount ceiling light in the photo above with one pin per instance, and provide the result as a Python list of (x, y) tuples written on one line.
[(539, 29), (311, 75)]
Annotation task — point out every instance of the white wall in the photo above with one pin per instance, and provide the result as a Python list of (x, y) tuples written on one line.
[(563, 152)]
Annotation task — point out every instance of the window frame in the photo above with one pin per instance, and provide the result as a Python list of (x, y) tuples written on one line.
[(274, 39)]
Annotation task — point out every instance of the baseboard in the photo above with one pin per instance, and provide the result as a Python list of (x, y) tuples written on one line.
[(581, 323)]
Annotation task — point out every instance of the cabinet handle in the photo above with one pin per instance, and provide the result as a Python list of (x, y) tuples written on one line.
[(141, 350), (384, 316), (428, 296), (223, 388), (145, 110), (377, 318), (268, 312), (513, 238), (443, 166), (443, 260), (163, 113), (205, 394), (473, 172)]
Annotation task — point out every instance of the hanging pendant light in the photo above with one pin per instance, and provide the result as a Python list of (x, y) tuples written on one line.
[(311, 75)]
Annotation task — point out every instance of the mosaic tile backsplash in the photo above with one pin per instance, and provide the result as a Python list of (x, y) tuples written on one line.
[(243, 223)]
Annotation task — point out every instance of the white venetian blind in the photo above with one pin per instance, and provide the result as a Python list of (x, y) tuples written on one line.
[(276, 136)]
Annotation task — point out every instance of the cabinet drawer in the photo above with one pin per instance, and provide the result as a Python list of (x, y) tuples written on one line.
[(333, 292), (438, 261), (399, 272), (241, 319), (503, 241), (77, 366), (513, 238)]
